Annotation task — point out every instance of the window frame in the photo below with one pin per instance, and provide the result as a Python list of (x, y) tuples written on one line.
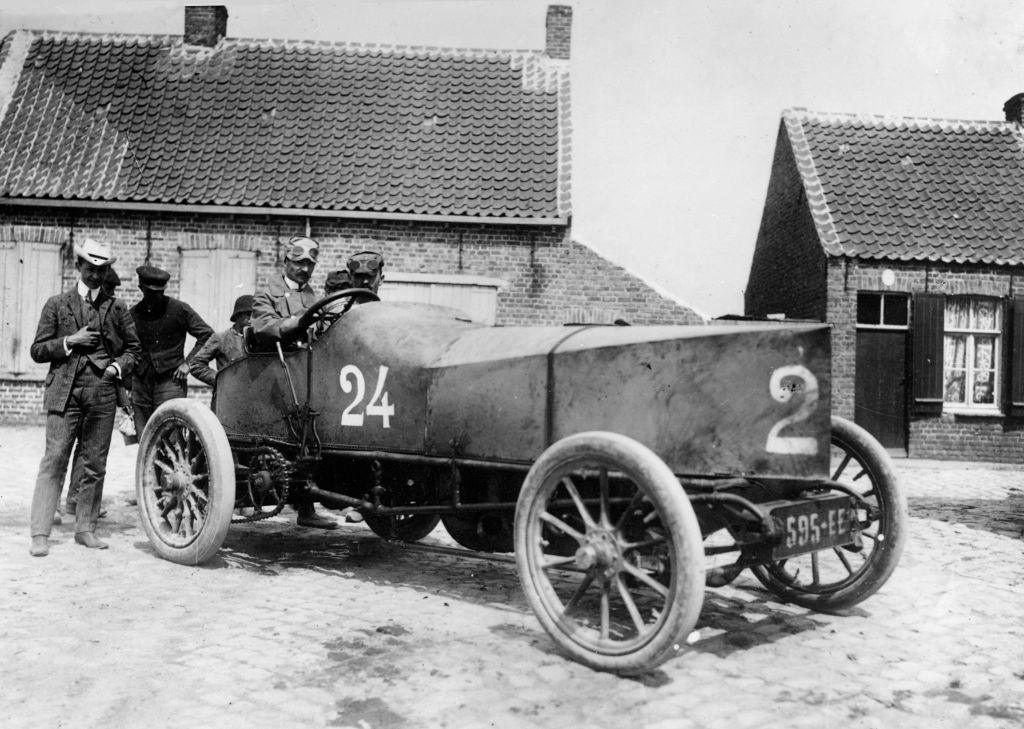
[(998, 334), (884, 295)]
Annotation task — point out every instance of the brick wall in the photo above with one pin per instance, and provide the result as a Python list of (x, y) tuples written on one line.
[(551, 278), (787, 274), (946, 436)]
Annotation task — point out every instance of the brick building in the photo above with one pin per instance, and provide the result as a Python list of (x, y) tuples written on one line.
[(203, 154), (905, 235)]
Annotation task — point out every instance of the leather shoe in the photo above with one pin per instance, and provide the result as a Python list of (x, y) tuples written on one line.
[(56, 518), (315, 521), (40, 547), (88, 539)]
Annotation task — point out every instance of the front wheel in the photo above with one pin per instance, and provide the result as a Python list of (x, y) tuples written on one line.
[(840, 577), (185, 482), (609, 552)]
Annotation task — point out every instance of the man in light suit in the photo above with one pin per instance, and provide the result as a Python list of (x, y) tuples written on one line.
[(90, 342)]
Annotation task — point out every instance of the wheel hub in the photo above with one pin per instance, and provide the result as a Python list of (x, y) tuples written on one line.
[(600, 551)]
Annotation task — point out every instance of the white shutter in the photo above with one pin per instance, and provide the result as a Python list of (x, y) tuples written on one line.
[(475, 296), (29, 275), (211, 280)]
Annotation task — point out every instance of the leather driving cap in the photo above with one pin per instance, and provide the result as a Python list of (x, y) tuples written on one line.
[(152, 277), (365, 262), (98, 254)]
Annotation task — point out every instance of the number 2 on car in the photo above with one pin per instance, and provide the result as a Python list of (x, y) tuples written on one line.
[(352, 377)]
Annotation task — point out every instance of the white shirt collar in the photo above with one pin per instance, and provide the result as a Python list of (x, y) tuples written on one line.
[(83, 290)]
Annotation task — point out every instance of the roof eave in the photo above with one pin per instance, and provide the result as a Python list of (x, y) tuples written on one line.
[(281, 211)]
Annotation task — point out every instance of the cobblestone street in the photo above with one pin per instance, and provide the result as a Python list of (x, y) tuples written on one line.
[(294, 627)]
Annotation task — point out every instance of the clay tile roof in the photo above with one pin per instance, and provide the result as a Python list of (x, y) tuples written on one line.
[(329, 126), (911, 188)]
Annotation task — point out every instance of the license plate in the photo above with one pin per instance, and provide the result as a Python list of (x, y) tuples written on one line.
[(819, 522)]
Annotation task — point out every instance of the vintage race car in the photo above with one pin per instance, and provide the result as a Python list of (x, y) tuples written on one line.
[(626, 467)]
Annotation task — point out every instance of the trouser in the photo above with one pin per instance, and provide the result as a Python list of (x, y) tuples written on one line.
[(150, 391), (88, 420)]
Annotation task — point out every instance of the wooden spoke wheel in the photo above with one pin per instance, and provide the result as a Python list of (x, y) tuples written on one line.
[(840, 577), (482, 531), (185, 482), (609, 552)]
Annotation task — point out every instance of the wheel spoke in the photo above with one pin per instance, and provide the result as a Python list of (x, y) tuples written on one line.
[(628, 547), (555, 562), (165, 467), (584, 585), (843, 559), (646, 579), (859, 475), (561, 526), (842, 466), (633, 504), (603, 484), (638, 621), (580, 506), (815, 569)]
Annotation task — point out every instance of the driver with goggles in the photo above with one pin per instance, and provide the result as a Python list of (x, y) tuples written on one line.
[(275, 315), (276, 309)]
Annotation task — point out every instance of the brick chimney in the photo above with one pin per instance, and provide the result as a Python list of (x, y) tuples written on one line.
[(559, 27), (205, 24), (1013, 108)]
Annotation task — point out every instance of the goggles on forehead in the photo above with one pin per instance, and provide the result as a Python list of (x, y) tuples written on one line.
[(365, 265), (303, 248)]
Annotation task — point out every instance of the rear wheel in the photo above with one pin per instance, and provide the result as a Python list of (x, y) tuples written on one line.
[(609, 552), (840, 577), (403, 527), (482, 532), (185, 482)]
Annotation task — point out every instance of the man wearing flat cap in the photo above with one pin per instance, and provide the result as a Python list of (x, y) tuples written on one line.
[(275, 316), (162, 323), (90, 342), (223, 347)]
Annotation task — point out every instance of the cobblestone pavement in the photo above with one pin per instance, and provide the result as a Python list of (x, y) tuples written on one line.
[(293, 627)]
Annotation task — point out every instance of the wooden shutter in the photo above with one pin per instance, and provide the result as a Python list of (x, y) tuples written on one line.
[(929, 324), (29, 275), (211, 280), (476, 297), (1017, 358)]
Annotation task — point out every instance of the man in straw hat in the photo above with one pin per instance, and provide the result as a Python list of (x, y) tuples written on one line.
[(90, 342)]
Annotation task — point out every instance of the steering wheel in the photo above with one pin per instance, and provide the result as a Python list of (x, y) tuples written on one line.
[(317, 311)]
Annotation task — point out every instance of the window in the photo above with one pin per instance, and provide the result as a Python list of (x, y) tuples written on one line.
[(971, 353), (882, 310), (29, 275)]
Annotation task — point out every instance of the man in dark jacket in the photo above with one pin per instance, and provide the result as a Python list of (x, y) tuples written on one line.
[(90, 342), (162, 323)]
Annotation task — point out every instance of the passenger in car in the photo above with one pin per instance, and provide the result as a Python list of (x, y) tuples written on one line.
[(366, 270)]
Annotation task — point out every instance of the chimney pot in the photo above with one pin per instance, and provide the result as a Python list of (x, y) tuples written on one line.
[(205, 24), (559, 31), (1013, 107)]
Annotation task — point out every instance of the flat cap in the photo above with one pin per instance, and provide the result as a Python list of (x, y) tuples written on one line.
[(243, 305), (365, 262), (152, 277)]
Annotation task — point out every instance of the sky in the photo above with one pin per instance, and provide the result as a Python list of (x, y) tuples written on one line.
[(676, 103)]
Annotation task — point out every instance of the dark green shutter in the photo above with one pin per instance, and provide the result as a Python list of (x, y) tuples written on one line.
[(929, 322), (1017, 359)]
